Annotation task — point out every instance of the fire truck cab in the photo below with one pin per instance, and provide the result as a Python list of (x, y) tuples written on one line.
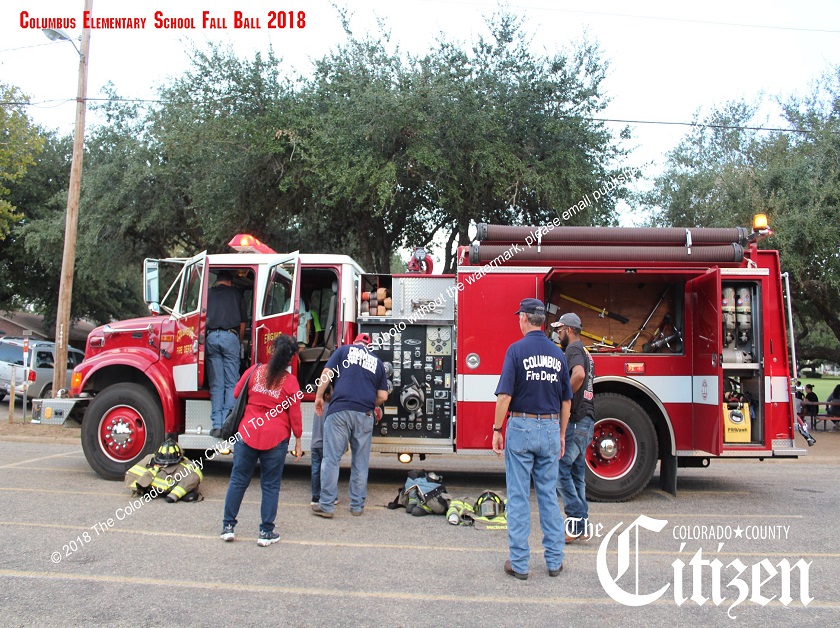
[(686, 328)]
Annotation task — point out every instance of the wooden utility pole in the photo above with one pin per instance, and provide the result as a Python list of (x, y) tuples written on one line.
[(68, 259)]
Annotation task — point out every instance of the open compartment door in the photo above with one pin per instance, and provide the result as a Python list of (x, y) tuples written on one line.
[(707, 372)]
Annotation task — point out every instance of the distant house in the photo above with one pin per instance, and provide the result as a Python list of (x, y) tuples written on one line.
[(15, 323)]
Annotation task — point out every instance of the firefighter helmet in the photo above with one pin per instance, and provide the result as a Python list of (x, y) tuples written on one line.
[(489, 505), (168, 453)]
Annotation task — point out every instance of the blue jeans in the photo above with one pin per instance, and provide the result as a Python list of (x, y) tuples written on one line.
[(317, 454), (221, 352), (571, 481), (271, 470), (340, 428), (532, 449)]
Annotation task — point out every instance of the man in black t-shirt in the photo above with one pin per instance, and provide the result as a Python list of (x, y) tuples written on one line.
[(571, 481), (221, 346)]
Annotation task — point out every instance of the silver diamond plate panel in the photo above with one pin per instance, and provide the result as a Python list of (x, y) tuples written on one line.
[(197, 425), (424, 298), (197, 417), (198, 442), (58, 409)]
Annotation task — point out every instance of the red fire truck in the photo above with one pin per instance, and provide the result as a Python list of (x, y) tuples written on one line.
[(686, 327)]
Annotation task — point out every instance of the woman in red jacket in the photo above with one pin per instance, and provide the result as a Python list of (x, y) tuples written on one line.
[(272, 414)]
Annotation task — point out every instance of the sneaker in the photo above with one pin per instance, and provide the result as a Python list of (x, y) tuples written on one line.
[(315, 502), (357, 513), (316, 510), (267, 538), (227, 534)]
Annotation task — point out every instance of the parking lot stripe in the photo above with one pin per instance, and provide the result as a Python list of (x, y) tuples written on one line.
[(594, 515), (589, 548), (311, 592), (15, 464)]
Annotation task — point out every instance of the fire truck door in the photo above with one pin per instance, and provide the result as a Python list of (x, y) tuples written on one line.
[(189, 314), (279, 310), (707, 372)]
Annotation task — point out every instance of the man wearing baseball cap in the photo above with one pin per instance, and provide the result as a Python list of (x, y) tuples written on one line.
[(571, 482), (359, 385), (534, 388)]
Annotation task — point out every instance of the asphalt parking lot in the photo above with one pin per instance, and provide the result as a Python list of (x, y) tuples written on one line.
[(163, 564)]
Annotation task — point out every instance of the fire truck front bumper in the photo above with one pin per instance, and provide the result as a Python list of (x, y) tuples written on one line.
[(58, 411)]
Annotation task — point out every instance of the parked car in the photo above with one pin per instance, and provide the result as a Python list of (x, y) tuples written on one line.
[(41, 361)]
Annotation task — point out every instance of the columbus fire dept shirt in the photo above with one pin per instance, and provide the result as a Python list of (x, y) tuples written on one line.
[(582, 404), (359, 375), (535, 375), (271, 415)]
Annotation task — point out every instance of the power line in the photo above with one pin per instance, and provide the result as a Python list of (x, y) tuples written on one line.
[(158, 101), (702, 124), (49, 43), (651, 17)]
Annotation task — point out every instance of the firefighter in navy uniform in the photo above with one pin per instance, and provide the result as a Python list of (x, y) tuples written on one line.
[(534, 387), (166, 472)]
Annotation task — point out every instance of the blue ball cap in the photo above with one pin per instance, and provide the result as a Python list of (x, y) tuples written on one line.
[(531, 306)]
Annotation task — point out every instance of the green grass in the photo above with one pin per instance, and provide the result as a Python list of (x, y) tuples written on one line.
[(822, 386)]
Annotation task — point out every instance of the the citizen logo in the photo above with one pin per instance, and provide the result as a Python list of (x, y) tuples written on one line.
[(698, 579)]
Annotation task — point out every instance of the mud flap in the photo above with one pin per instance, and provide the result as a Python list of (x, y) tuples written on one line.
[(668, 474)]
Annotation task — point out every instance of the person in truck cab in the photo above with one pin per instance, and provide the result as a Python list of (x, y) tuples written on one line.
[(225, 327)]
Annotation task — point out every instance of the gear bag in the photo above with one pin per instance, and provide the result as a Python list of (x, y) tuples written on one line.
[(423, 494)]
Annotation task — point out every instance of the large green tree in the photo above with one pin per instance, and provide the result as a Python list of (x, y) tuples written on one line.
[(516, 133), (723, 172), (19, 145), (27, 277), (404, 150), (373, 151)]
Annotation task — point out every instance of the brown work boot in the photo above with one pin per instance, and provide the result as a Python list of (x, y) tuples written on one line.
[(316, 510), (509, 571)]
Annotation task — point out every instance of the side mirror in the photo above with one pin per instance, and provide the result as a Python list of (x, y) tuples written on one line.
[(151, 288)]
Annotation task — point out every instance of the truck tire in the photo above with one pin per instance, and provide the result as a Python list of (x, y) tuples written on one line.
[(123, 423), (622, 456)]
